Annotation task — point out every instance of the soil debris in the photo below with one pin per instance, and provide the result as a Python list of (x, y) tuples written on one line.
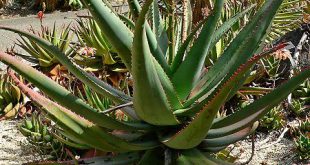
[(14, 148)]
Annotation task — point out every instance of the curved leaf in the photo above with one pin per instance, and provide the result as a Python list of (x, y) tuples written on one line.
[(92, 81), (84, 130), (116, 31), (154, 45), (229, 139), (228, 25), (257, 109), (182, 50), (193, 156), (205, 110), (150, 101), (239, 51), (190, 69), (62, 96)]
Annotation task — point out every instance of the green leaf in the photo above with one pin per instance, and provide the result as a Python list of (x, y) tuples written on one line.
[(152, 157), (127, 20), (182, 50), (26, 45), (154, 43), (205, 110), (196, 130), (229, 139), (168, 87), (189, 71), (92, 81), (228, 25), (239, 51), (150, 101), (156, 50), (70, 143), (62, 96), (257, 109), (159, 28), (193, 156), (52, 108), (85, 130), (116, 31)]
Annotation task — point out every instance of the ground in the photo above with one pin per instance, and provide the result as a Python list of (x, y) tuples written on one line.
[(270, 149), (14, 148)]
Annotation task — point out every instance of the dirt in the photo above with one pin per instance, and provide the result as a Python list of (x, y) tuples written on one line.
[(13, 10), (14, 148), (269, 150), (15, 13)]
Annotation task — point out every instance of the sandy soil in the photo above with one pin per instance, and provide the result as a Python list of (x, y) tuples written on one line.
[(14, 149), (269, 150)]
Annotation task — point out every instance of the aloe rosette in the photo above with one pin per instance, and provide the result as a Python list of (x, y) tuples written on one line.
[(173, 117), (37, 55), (36, 129), (90, 34), (11, 98)]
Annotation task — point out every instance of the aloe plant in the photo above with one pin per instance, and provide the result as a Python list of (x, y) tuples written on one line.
[(74, 4), (301, 137), (274, 119), (172, 113), (303, 92), (44, 140), (288, 17), (303, 146), (11, 98), (90, 36), (305, 125), (94, 100), (297, 107), (62, 39)]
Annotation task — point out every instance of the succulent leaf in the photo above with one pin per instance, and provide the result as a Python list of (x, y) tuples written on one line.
[(152, 157), (158, 28), (190, 69), (240, 50), (92, 81), (257, 109), (206, 110), (229, 139), (61, 95), (84, 130), (151, 106), (116, 31), (183, 47), (228, 25), (193, 156)]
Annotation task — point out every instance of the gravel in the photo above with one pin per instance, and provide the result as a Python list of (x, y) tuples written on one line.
[(268, 151), (14, 148)]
